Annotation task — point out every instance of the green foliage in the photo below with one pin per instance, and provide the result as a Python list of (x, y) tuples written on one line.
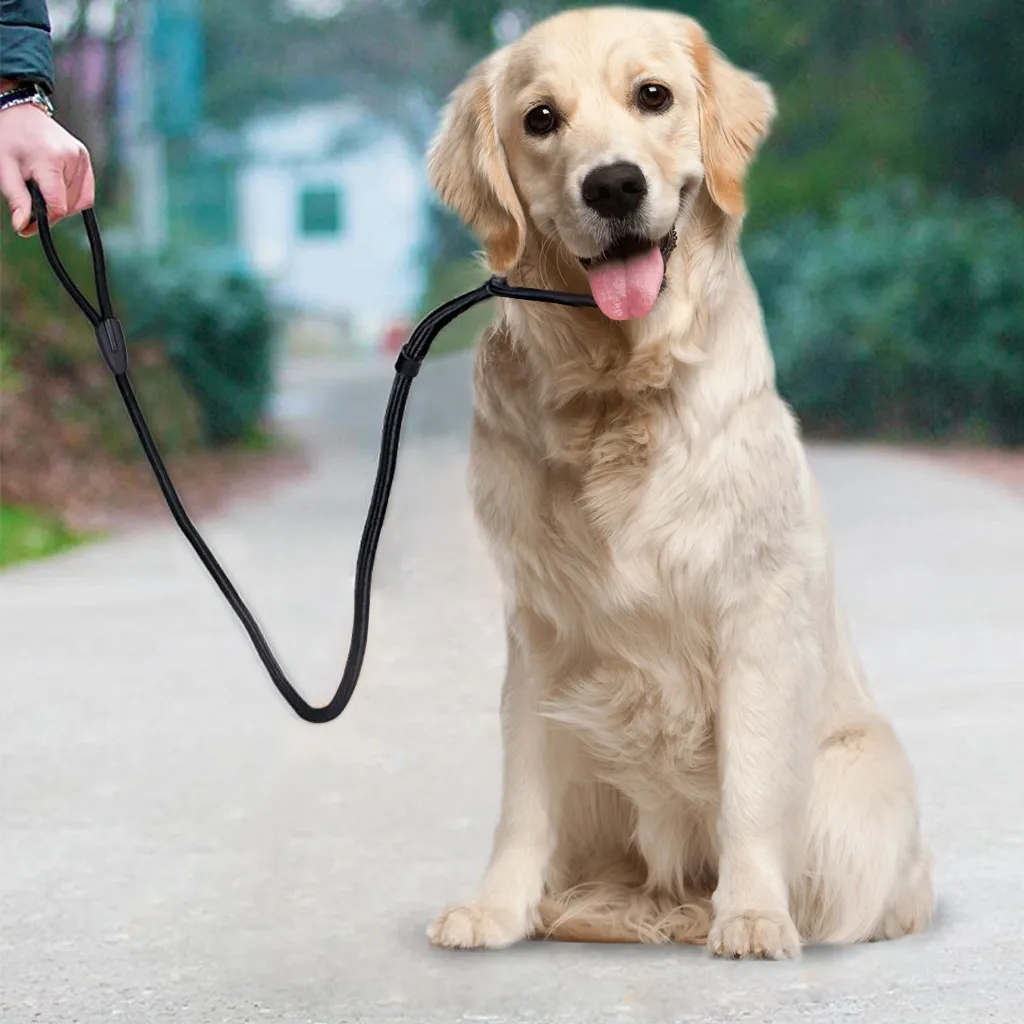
[(36, 312), (10, 379), (471, 20), (971, 55), (448, 239), (219, 332), (824, 147), (445, 280), (54, 389), (866, 90), (903, 317), (27, 535)]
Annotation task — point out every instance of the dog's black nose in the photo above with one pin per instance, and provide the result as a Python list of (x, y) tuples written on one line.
[(615, 190)]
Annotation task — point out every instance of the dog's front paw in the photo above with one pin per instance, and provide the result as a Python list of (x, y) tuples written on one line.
[(754, 934), (477, 926)]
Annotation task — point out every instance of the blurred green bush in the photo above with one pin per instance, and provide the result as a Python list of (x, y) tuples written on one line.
[(901, 317), (212, 322), (56, 392), (218, 328), (26, 535)]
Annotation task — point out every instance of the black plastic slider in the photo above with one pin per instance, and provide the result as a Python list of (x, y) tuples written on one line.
[(406, 366), (110, 338)]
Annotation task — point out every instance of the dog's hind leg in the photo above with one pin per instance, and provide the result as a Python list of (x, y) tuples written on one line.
[(867, 874)]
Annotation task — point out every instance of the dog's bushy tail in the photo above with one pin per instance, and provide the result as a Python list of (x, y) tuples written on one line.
[(614, 912)]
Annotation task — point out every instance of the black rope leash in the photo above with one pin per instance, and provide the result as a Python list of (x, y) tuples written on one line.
[(111, 341)]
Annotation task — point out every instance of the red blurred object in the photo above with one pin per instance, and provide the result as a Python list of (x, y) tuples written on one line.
[(395, 337)]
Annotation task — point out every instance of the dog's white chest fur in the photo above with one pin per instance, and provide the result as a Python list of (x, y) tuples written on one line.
[(632, 674)]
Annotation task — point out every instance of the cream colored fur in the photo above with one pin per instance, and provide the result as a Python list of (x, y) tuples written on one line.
[(691, 751)]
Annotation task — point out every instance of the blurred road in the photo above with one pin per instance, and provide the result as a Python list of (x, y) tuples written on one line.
[(177, 847)]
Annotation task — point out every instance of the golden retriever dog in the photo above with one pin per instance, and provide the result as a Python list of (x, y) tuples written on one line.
[(691, 750)]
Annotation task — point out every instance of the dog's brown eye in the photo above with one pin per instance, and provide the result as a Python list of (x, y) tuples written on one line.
[(541, 120), (653, 97)]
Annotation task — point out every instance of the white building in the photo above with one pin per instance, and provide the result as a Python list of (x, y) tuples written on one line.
[(332, 212)]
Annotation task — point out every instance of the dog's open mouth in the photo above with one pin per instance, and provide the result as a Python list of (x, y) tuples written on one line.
[(628, 276)]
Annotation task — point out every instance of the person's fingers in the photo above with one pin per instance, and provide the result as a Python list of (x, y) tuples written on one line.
[(87, 197), (81, 182), (50, 180), (73, 171), (14, 190)]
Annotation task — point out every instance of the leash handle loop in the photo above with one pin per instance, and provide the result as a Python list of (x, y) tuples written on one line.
[(106, 327), (39, 215)]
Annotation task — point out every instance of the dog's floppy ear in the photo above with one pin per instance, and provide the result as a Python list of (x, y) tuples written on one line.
[(736, 112), (467, 167)]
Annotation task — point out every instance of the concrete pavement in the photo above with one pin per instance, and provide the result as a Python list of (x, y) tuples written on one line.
[(177, 847)]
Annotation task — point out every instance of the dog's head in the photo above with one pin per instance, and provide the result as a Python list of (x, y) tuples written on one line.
[(593, 133)]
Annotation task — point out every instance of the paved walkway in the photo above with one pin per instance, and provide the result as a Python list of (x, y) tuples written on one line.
[(176, 847)]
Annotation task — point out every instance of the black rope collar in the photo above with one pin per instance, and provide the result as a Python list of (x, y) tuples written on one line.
[(111, 342)]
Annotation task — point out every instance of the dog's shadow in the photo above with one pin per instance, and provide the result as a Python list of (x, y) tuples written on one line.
[(411, 936)]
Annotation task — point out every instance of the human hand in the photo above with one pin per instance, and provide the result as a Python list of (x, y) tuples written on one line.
[(34, 146)]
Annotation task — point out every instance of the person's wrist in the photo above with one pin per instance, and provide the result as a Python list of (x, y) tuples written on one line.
[(16, 94)]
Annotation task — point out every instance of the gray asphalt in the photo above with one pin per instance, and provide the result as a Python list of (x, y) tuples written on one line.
[(176, 847)]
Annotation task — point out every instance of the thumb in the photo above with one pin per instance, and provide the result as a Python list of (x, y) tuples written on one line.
[(13, 187), (21, 213)]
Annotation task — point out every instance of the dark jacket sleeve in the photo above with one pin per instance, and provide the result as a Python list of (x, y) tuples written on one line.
[(26, 53)]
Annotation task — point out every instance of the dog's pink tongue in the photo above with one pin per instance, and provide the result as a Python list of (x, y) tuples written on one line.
[(627, 289)]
